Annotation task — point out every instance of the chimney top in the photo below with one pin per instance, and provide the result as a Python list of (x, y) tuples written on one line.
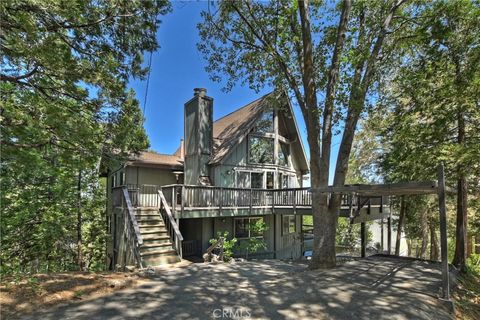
[(199, 92)]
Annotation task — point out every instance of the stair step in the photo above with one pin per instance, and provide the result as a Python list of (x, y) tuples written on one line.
[(155, 237), (159, 260), (155, 216), (154, 245), (153, 231), (152, 228), (151, 222), (158, 252)]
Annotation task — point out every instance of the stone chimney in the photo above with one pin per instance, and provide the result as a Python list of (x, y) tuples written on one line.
[(198, 143)]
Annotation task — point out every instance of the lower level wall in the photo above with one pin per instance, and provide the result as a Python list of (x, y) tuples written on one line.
[(121, 253), (198, 231)]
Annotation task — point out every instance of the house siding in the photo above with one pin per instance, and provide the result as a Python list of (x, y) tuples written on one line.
[(153, 176)]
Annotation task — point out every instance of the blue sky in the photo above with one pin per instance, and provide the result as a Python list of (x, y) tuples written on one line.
[(177, 68)]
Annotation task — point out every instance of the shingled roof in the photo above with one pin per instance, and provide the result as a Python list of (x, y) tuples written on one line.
[(228, 132), (166, 161)]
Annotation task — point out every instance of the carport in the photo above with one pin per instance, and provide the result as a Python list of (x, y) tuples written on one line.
[(399, 189)]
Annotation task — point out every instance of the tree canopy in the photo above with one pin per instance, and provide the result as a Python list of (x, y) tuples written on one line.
[(67, 114)]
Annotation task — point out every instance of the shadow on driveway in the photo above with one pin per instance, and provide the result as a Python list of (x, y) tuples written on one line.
[(370, 288)]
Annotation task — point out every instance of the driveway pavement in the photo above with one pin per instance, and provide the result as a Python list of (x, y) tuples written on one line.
[(369, 288)]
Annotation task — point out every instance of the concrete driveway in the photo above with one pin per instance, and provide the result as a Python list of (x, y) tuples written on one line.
[(370, 288)]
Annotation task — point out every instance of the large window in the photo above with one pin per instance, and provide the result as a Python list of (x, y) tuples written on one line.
[(257, 180), (260, 150), (288, 224), (283, 154), (246, 228), (286, 180), (265, 123)]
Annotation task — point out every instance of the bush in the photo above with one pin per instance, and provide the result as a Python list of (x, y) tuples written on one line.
[(473, 264), (228, 245)]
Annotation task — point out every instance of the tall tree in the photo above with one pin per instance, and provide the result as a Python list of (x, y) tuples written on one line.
[(66, 109), (435, 101), (328, 65)]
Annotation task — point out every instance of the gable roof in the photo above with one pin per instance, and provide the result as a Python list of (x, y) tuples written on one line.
[(229, 130)]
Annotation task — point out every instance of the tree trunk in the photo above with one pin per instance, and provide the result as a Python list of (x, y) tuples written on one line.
[(460, 256), (324, 220), (400, 226), (434, 249), (79, 221), (461, 228)]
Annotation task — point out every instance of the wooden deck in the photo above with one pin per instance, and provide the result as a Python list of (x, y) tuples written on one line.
[(205, 201)]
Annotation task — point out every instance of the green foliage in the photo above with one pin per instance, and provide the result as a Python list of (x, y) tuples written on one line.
[(228, 244), (254, 244), (66, 116), (473, 264), (347, 234)]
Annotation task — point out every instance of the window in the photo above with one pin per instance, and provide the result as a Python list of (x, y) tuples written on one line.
[(122, 178), (261, 150), (265, 123), (246, 228), (283, 154), (257, 180), (241, 228), (288, 224), (270, 182), (243, 179), (286, 181)]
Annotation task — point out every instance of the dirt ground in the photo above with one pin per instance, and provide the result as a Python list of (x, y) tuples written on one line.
[(19, 297)]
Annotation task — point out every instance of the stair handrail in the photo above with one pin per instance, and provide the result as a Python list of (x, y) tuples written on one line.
[(177, 235), (133, 224)]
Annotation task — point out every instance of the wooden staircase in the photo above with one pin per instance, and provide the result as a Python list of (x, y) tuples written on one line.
[(157, 247)]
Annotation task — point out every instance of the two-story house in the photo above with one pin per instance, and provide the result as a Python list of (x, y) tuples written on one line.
[(225, 175)]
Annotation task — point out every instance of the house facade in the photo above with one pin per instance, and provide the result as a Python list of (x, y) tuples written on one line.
[(245, 167)]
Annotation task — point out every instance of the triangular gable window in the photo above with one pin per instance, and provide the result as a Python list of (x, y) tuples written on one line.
[(265, 123)]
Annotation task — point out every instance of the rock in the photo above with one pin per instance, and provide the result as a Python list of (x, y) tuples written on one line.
[(216, 258), (206, 257), (112, 283), (130, 268)]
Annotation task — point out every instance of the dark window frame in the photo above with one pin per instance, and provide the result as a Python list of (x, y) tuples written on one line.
[(248, 228)]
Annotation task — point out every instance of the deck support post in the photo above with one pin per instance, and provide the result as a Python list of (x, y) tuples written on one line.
[(381, 235), (220, 204), (251, 200), (183, 198), (363, 237), (389, 233), (443, 233)]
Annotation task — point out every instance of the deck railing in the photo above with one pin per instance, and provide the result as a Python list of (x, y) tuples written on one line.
[(143, 195), (187, 197), (170, 223)]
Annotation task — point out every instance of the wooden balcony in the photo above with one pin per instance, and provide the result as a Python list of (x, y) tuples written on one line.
[(203, 201)]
